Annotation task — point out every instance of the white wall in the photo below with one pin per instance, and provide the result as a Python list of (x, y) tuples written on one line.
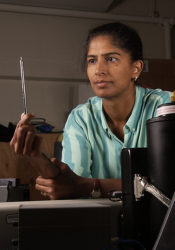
[(52, 50)]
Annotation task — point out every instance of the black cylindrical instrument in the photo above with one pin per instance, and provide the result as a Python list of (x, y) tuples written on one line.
[(161, 165)]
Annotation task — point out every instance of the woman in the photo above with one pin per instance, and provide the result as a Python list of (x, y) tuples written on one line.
[(97, 131)]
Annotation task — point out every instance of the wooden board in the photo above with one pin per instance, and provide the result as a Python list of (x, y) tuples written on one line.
[(13, 166)]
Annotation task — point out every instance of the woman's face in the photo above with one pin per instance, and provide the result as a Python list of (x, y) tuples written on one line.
[(110, 68)]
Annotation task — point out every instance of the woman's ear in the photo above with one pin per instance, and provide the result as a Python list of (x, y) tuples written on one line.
[(137, 68)]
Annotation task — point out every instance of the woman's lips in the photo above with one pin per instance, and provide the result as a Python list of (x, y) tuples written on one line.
[(102, 84)]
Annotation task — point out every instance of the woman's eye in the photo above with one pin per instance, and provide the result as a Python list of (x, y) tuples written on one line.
[(91, 61), (111, 59)]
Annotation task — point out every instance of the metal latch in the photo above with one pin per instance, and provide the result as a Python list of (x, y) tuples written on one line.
[(141, 184)]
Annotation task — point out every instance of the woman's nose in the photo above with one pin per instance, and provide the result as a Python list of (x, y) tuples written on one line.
[(100, 68)]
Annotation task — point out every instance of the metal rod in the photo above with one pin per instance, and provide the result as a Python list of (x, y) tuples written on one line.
[(141, 184), (155, 192), (23, 85)]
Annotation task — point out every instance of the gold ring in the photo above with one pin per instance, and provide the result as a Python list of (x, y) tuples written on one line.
[(43, 193)]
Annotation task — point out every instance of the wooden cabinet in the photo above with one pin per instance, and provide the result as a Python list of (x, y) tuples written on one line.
[(13, 166), (159, 73)]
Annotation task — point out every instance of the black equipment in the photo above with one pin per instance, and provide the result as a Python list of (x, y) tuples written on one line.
[(149, 170)]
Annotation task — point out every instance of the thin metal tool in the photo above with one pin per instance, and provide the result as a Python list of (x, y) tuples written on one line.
[(23, 85), (44, 165)]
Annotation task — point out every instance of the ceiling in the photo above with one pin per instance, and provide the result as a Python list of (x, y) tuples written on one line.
[(84, 5), (156, 8)]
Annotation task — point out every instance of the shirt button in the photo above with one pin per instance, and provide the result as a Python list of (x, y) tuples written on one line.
[(126, 130)]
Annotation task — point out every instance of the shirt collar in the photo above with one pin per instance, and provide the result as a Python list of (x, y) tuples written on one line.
[(103, 118), (133, 119)]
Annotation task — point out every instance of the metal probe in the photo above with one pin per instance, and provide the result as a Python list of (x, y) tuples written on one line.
[(23, 85)]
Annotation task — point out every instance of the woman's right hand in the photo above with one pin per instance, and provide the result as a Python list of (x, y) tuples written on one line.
[(25, 141), (66, 184)]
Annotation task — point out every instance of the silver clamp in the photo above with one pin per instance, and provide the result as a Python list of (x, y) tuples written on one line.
[(141, 184)]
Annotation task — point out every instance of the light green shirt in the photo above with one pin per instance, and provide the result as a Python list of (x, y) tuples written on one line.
[(89, 146)]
